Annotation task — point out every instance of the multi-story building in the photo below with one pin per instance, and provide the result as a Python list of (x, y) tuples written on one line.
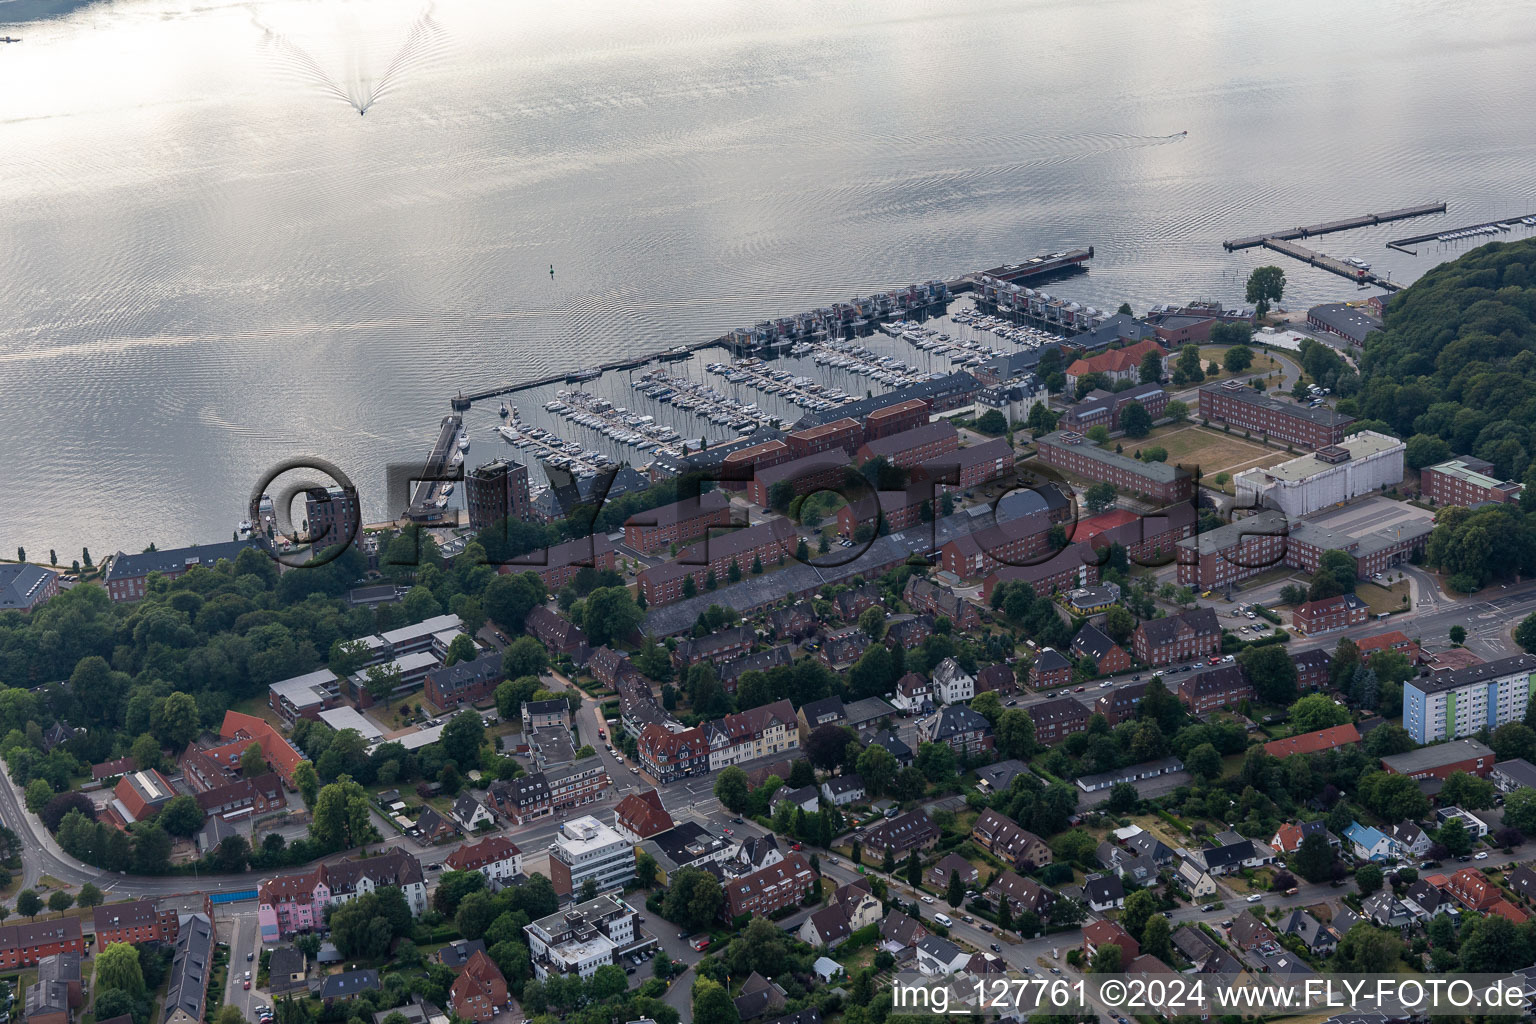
[(1393, 640), (1074, 453), (1074, 566), (1108, 656), (240, 730), (1237, 404), (1222, 687), (1020, 542), (740, 467), (748, 735), (676, 523), (1442, 760), (640, 815), (578, 940), (768, 890), (1362, 463), (23, 945), (24, 586), (464, 682), (57, 992), (140, 921), (297, 903), (305, 696), (1265, 540), (1459, 703), (186, 996), (716, 648), (1191, 634), (1466, 481), (497, 858), (1117, 364), (479, 993), (495, 491), (1120, 703), (557, 633), (520, 800), (951, 683), (896, 419), (585, 849), (1057, 719), (844, 435), (1050, 669), (577, 784), (332, 515), (244, 797), (558, 565), (912, 447), (1100, 408), (923, 595), (667, 755), (901, 834), (554, 713), (963, 730), (1329, 614), (1352, 323), (971, 466), (128, 575), (803, 475), (1005, 838), (138, 796), (1313, 668), (760, 545)]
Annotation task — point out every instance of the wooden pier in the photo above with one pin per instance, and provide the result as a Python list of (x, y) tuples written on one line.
[(1328, 227), (1325, 262)]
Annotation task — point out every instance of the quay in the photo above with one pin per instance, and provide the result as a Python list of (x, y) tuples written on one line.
[(1328, 227), (424, 507), (1325, 262), (1491, 227)]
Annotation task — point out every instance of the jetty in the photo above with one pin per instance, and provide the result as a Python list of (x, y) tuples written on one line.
[(1489, 227), (1323, 261), (1329, 227), (424, 507)]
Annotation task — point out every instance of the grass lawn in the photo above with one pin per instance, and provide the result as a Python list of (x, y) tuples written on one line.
[(1214, 451), (1393, 598), (1262, 364)]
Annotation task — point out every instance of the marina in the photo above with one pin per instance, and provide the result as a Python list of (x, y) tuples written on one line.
[(429, 503), (1487, 229)]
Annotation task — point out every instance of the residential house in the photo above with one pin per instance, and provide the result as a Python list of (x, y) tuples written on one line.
[(1196, 879), (756, 852), (768, 890), (1021, 893), (806, 798), (287, 971), (937, 957), (479, 992), (827, 927), (908, 631), (1098, 934), (1247, 931), (817, 713), (1386, 911), (667, 756), (924, 595), (347, 986), (497, 858), (640, 815), (998, 776), (902, 834), (951, 863), (1410, 840), (963, 730), (1314, 742), (1367, 843), (900, 932), (1050, 670), (435, 828), (471, 813), (1108, 657), (1288, 837), (186, 995), (842, 790), (759, 997), (1183, 637), (143, 921), (1473, 889), (914, 693), (951, 683), (1058, 718), (895, 746), (1006, 839), (1103, 892), (1319, 939), (998, 679), (1223, 687), (748, 735)]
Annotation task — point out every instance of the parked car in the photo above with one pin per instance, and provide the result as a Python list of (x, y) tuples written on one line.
[(1255, 897), (1292, 891), (247, 984), (1208, 908), (985, 927), (927, 899), (996, 948), (1480, 855)]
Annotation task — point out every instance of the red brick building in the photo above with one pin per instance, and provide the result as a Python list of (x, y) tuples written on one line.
[(1466, 481), (844, 435), (1393, 640), (1015, 542), (825, 470), (253, 796), (140, 921), (1074, 453), (1194, 634), (1473, 889), (1314, 742), (1117, 363), (1313, 669), (23, 945), (738, 468), (1076, 565), (895, 419), (1110, 657), (680, 521), (479, 992), (1235, 403), (495, 491), (1442, 760), (1057, 719), (1329, 614), (765, 543), (768, 890), (557, 633), (1120, 703), (924, 595), (974, 465), (898, 510), (558, 565), (912, 447), (1222, 687), (1050, 669), (1100, 408)]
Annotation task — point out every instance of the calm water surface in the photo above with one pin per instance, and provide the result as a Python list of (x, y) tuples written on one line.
[(209, 262)]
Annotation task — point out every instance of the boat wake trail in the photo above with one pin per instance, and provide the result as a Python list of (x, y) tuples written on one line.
[(423, 43)]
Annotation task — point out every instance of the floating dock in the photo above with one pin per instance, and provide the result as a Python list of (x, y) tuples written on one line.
[(1325, 262), (1491, 227), (1328, 227), (1070, 261)]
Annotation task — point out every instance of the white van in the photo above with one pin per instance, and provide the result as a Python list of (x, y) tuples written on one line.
[(943, 919)]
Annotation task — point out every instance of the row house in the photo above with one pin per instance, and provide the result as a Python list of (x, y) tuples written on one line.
[(1182, 637), (1015, 542), (677, 523), (298, 902), (1005, 838), (768, 890), (1108, 656), (23, 945), (774, 657), (1314, 742), (1393, 640), (1021, 893), (794, 622), (141, 921), (923, 595), (607, 665), (855, 601), (464, 682), (1236, 404), (1329, 614), (748, 735), (558, 634), (1057, 719), (1222, 687), (909, 631), (970, 466), (912, 447), (497, 858), (816, 713), (667, 756), (716, 648), (520, 800), (575, 785)]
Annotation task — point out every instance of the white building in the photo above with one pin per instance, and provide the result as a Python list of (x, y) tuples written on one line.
[(951, 683), (586, 848), (497, 858), (580, 939), (1360, 464)]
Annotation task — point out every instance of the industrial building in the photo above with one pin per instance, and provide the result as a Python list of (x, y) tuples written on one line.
[(1360, 464)]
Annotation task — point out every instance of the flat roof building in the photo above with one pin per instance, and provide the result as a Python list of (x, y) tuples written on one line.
[(1360, 464), (1448, 705)]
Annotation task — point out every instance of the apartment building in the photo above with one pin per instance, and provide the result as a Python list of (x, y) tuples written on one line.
[(495, 491), (1466, 481), (296, 903), (762, 544), (140, 921), (1235, 403), (305, 696), (1015, 542), (768, 890), (1222, 687), (1100, 408), (1074, 453), (844, 435), (576, 941), (585, 849), (912, 447), (128, 575), (1057, 719), (667, 755), (972, 465), (1459, 703), (897, 419), (676, 523), (804, 475), (748, 735), (497, 858), (1329, 614), (1181, 637)]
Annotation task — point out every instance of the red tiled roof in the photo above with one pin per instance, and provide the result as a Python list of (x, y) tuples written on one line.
[(473, 856), (277, 750), (643, 814), (1313, 742)]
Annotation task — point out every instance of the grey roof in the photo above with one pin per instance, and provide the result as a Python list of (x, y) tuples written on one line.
[(894, 744), (1344, 319), (826, 707), (1321, 415), (941, 950), (1157, 472), (1000, 774), (1223, 856), (955, 383), (1473, 674), (125, 566), (457, 954), (1092, 641), (839, 784), (870, 709), (21, 585), (927, 433), (1439, 754), (464, 674), (957, 718), (285, 962), (1147, 844), (1103, 888), (189, 970), (1518, 770), (761, 661), (349, 984)]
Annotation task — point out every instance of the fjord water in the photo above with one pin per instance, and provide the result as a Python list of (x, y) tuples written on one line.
[(209, 262)]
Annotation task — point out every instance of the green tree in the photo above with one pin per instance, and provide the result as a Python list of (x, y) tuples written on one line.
[(610, 616), (1316, 711), (307, 782), (252, 762), (1272, 672), (1135, 421), (60, 901), (1204, 762), (1157, 938), (955, 894), (1453, 835), (1151, 370), (1520, 810), (29, 903), (693, 900), (1100, 496), (913, 870), (38, 793), (1525, 634), (462, 649), (731, 788), (1266, 285), (90, 896), (872, 622), (712, 1004), (462, 739), (1467, 791), (1141, 906), (877, 767), (1237, 359), (1368, 950), (181, 816), (341, 816), (117, 966), (524, 656), (1186, 369), (1368, 878), (1314, 858), (1107, 959)]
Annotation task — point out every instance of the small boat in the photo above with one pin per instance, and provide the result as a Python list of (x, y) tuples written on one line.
[(504, 410), (463, 444), (447, 489)]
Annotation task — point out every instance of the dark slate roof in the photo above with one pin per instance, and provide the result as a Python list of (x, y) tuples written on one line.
[(175, 559)]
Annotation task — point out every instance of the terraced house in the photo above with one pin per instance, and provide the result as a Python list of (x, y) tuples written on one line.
[(748, 735), (667, 755), (294, 903)]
